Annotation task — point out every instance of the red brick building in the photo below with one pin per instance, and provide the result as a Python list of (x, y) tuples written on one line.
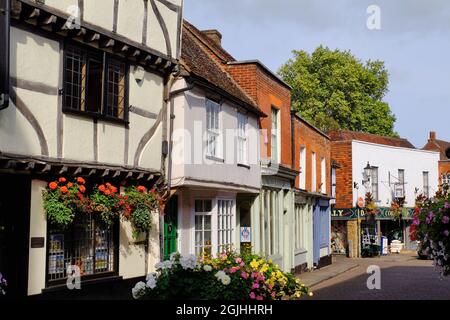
[(311, 155), (443, 147)]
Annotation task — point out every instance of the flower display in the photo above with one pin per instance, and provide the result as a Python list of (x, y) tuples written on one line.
[(431, 227), (228, 277), (64, 199)]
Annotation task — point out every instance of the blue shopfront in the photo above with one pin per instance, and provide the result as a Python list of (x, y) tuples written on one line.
[(321, 232)]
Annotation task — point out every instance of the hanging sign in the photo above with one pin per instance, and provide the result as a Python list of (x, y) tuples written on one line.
[(246, 234)]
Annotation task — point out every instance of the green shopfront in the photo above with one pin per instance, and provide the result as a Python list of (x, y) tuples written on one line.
[(352, 230)]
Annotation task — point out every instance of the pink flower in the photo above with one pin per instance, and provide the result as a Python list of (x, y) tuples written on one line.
[(446, 233), (259, 298), (244, 275), (242, 264), (255, 286), (234, 269), (252, 295), (447, 205), (273, 294), (254, 274), (260, 277), (238, 260), (445, 219)]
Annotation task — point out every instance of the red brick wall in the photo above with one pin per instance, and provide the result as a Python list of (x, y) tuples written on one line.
[(341, 152), (444, 168), (315, 142), (267, 92)]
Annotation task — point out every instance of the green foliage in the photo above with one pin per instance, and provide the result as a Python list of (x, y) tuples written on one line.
[(57, 212), (334, 90), (141, 220)]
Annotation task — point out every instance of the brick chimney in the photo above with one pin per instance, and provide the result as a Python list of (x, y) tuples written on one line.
[(432, 136), (214, 35)]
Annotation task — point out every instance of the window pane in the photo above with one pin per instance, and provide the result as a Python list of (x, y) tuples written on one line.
[(94, 89), (207, 220), (198, 206), (208, 205), (116, 89)]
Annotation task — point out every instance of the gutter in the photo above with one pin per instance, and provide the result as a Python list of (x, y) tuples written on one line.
[(4, 53)]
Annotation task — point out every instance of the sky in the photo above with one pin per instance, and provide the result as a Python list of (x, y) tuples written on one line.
[(413, 41)]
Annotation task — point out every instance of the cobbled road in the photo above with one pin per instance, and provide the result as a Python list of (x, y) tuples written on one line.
[(403, 277)]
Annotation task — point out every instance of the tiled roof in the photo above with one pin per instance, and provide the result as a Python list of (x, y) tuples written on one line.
[(438, 145), (368, 137), (198, 62)]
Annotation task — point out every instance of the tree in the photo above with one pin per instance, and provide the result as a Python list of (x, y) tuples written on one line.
[(334, 90)]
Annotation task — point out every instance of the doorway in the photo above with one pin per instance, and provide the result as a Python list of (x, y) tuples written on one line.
[(15, 192), (171, 227)]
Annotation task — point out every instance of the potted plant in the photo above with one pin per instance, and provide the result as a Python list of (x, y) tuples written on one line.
[(397, 209)]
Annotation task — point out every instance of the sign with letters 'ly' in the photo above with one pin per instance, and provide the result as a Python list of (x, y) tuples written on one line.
[(246, 234)]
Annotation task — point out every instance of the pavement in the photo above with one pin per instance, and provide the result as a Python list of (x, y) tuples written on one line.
[(340, 265), (402, 277)]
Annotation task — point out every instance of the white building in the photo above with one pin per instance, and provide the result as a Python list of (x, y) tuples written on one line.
[(214, 173), (87, 99)]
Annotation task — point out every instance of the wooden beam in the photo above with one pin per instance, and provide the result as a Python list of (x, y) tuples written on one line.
[(74, 33), (46, 168), (30, 166), (46, 19), (29, 12), (106, 43), (63, 170), (92, 36), (129, 175), (60, 25), (140, 176), (92, 172), (117, 174), (105, 173), (121, 48), (78, 171)]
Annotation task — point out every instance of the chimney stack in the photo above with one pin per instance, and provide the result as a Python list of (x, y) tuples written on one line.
[(214, 35), (432, 136)]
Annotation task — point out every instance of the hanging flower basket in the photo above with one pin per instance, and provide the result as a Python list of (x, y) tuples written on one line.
[(64, 200)]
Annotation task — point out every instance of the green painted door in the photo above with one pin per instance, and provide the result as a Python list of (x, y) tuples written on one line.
[(171, 227)]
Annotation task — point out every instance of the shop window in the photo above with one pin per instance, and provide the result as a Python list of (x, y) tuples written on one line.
[(89, 244), (94, 83), (203, 227)]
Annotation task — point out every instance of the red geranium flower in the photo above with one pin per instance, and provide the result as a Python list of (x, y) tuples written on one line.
[(113, 189), (53, 185), (80, 180), (70, 185), (102, 188), (108, 185), (64, 189), (62, 180), (141, 189), (107, 192), (82, 189)]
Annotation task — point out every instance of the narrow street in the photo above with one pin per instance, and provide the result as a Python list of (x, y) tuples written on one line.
[(403, 277)]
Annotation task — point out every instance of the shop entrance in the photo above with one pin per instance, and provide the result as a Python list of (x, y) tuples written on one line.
[(14, 232)]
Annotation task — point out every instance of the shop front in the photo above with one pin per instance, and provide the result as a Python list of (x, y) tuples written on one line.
[(353, 232)]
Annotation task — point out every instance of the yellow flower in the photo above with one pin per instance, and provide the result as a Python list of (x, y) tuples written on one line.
[(264, 268), (270, 261), (254, 264)]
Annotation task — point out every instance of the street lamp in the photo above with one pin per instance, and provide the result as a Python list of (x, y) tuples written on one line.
[(368, 171)]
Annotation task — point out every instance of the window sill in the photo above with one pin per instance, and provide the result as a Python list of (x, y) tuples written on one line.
[(96, 116), (213, 158), (243, 165)]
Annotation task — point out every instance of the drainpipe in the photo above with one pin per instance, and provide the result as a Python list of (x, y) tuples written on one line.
[(4, 53)]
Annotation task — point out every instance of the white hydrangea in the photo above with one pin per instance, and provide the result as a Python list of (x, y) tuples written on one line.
[(173, 256), (207, 268), (151, 281), (188, 262), (138, 290), (168, 264), (220, 274)]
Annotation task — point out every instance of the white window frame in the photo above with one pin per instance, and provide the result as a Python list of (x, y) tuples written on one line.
[(333, 183), (303, 167), (323, 175), (226, 225), (426, 183), (401, 181), (375, 184), (446, 178), (275, 135), (242, 139), (313, 172), (202, 214), (213, 129)]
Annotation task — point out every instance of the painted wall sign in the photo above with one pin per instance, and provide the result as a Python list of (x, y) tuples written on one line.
[(246, 235), (37, 242), (354, 213)]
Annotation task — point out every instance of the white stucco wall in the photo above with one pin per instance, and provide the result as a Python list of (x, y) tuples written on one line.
[(38, 228), (35, 61), (391, 159), (130, 20), (189, 158)]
